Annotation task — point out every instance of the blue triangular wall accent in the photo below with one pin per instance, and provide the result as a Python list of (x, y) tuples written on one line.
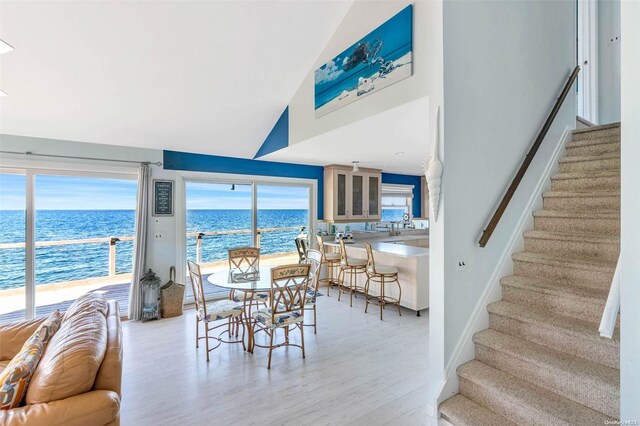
[(278, 138)]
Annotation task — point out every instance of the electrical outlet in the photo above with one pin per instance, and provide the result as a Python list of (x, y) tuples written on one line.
[(461, 264)]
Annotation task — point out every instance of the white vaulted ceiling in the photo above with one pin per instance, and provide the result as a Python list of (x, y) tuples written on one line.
[(209, 77)]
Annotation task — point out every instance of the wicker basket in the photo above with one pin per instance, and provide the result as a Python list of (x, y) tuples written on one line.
[(172, 296)]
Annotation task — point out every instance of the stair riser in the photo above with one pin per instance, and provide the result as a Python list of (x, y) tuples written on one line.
[(589, 166), (498, 401), (603, 351), (575, 204), (575, 307), (599, 149), (604, 251), (580, 225), (597, 134), (608, 183), (590, 393), (581, 277)]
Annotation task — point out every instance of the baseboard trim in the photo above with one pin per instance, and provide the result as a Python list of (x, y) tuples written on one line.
[(479, 320)]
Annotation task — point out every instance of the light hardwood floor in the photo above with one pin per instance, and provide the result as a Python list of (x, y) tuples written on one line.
[(358, 371)]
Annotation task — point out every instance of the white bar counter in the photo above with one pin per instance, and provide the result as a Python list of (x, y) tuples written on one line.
[(412, 263)]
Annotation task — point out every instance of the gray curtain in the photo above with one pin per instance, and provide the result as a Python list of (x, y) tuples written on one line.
[(140, 243)]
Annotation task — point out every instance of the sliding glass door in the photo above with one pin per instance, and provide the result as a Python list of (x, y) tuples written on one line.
[(223, 215), (84, 228), (13, 216), (64, 234), (283, 214)]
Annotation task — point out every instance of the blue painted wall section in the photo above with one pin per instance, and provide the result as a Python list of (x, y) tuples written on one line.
[(278, 138), (175, 160), (416, 181)]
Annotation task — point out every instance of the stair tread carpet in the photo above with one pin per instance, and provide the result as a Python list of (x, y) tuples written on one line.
[(577, 262), (524, 401), (544, 319), (462, 411)]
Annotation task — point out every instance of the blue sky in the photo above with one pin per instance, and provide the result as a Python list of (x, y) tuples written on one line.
[(220, 196), (84, 193), (69, 193)]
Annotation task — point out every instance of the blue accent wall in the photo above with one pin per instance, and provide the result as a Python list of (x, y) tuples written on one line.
[(278, 138), (175, 160), (416, 181)]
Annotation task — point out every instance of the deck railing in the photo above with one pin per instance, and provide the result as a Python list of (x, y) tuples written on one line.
[(112, 242)]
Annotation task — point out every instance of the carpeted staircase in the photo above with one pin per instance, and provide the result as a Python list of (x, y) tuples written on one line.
[(542, 361)]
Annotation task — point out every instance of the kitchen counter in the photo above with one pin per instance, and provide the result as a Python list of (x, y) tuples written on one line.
[(387, 247), (412, 263)]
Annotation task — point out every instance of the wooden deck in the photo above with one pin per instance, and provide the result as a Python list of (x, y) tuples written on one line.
[(119, 292)]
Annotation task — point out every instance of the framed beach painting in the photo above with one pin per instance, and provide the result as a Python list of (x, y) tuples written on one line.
[(379, 59)]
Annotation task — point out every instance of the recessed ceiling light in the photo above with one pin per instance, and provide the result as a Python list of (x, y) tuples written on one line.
[(399, 153), (2, 93), (4, 47)]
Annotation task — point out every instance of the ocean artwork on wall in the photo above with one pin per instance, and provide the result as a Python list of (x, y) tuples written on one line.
[(379, 59)]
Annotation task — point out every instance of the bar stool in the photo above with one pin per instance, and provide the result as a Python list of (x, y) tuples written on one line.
[(331, 261), (381, 275), (353, 267)]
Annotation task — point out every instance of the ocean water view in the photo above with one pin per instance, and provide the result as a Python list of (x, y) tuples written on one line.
[(62, 263)]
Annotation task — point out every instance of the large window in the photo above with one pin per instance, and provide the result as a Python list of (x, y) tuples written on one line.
[(63, 235), (223, 215), (397, 200)]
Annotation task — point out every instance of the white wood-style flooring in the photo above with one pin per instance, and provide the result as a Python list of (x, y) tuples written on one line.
[(358, 371)]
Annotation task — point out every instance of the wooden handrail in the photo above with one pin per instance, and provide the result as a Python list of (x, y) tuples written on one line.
[(527, 160)]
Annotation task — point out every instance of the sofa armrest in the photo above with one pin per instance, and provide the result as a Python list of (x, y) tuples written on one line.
[(91, 408), (14, 334)]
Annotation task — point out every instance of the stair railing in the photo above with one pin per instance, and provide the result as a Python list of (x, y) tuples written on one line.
[(612, 307), (488, 231)]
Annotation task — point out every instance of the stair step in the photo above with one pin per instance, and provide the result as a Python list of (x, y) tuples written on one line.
[(586, 181), (565, 334), (581, 163), (590, 273), (597, 132), (522, 402), (594, 146), (607, 223), (461, 411), (582, 200), (593, 385), (603, 247), (582, 303)]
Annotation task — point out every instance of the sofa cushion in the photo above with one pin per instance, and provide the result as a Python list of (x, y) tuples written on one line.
[(74, 354), (16, 375)]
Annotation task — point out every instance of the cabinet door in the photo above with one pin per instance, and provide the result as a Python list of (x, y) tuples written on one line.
[(340, 192), (358, 196), (374, 189)]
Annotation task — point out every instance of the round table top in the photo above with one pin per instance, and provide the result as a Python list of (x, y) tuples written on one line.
[(243, 280)]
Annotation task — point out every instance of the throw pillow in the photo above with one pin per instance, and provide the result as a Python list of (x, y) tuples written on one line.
[(15, 378)]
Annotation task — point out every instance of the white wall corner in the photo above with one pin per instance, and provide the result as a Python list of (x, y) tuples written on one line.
[(464, 350)]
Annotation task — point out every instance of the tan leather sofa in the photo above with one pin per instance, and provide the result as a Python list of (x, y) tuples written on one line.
[(66, 366)]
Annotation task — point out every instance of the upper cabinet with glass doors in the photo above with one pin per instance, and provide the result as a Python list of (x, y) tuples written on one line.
[(352, 196)]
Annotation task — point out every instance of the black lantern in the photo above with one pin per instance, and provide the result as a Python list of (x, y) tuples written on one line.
[(150, 296)]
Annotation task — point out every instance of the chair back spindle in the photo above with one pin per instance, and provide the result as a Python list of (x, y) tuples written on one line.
[(198, 288), (289, 285), (314, 258), (370, 259), (244, 259)]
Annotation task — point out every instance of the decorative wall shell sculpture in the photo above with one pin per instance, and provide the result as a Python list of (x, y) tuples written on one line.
[(433, 172)]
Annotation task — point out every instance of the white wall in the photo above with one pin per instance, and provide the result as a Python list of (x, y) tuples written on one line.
[(608, 61), (504, 65), (630, 226)]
